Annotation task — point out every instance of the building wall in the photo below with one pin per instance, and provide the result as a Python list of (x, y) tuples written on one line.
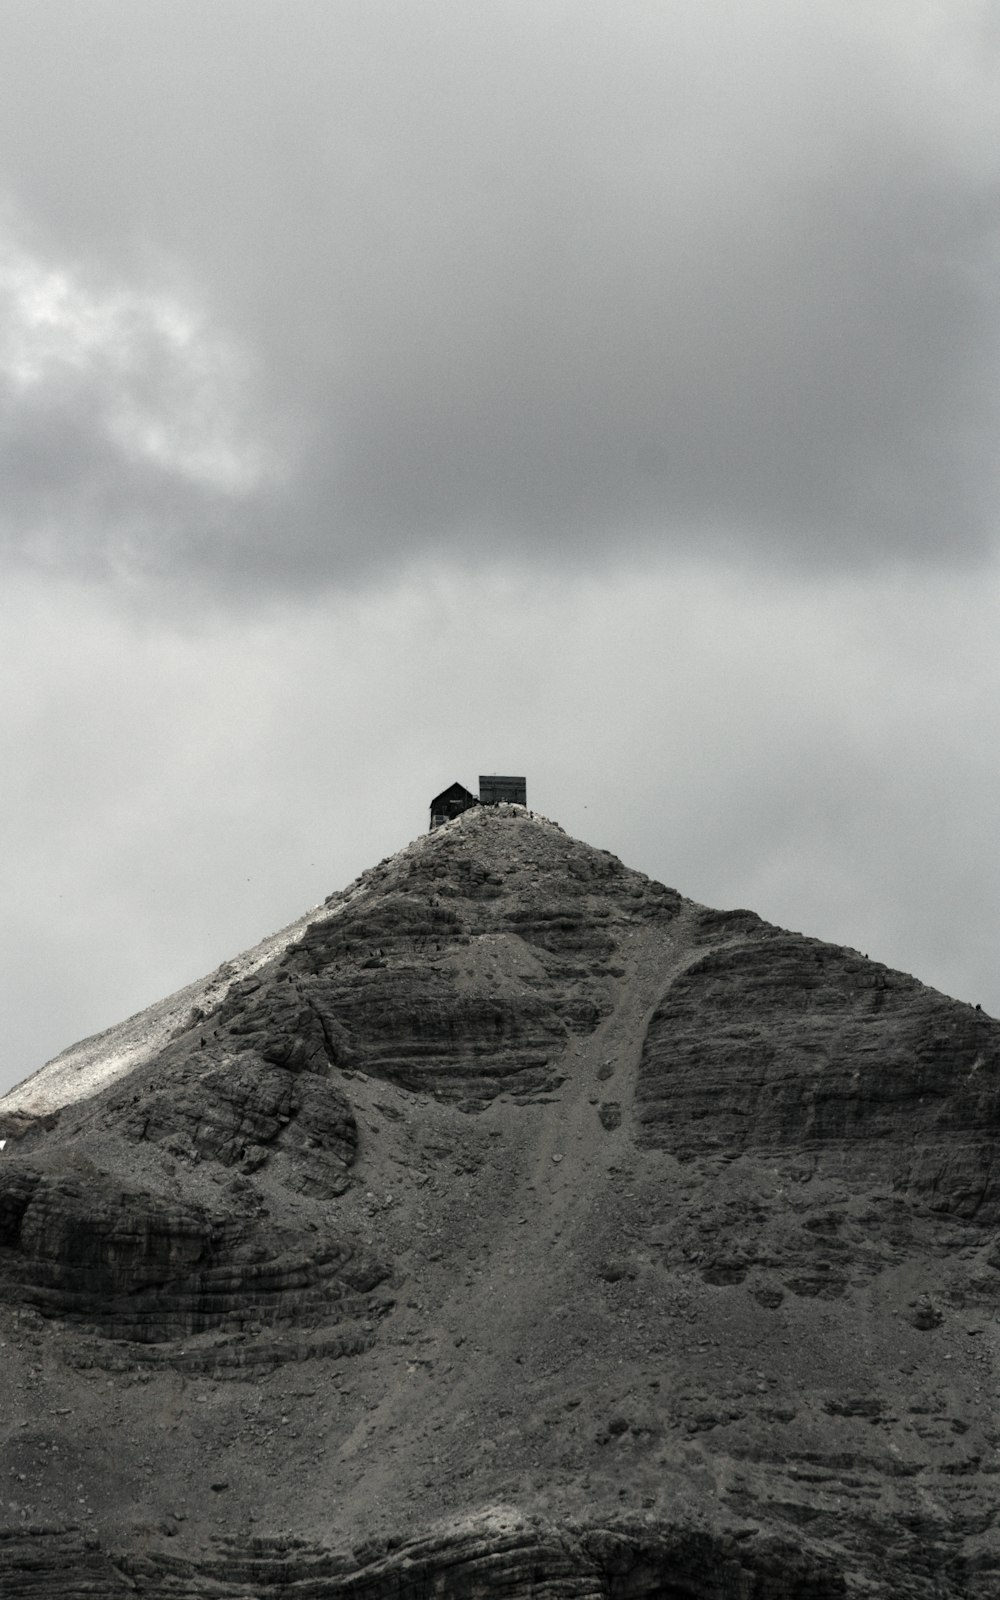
[(494, 790), (451, 803)]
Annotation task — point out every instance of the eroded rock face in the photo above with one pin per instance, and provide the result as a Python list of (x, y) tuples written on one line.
[(467, 977), (138, 1269), (485, 1556), (774, 1042), (513, 1225)]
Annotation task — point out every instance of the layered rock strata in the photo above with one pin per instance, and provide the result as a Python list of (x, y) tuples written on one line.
[(509, 1223)]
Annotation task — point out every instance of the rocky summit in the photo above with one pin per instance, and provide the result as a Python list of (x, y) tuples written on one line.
[(508, 1225)]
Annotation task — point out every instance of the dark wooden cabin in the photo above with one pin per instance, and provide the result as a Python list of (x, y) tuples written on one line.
[(494, 790), (451, 802)]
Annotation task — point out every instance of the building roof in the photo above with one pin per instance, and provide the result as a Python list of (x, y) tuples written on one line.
[(455, 791)]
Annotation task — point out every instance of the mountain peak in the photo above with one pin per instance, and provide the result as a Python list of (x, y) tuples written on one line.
[(490, 852), (510, 1220)]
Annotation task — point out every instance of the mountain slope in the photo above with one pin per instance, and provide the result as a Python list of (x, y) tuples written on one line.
[(511, 1223)]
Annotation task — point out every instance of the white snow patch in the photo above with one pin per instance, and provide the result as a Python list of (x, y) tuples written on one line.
[(86, 1068)]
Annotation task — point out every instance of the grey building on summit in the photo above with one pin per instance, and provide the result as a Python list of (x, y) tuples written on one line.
[(493, 790)]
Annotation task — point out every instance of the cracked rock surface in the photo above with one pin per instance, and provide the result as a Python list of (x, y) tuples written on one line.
[(509, 1224)]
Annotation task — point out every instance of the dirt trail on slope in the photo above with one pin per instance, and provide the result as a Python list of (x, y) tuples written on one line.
[(511, 1323)]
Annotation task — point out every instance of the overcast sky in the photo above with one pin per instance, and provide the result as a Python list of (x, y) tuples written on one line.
[(397, 390)]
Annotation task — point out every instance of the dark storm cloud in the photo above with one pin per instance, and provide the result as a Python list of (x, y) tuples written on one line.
[(554, 278)]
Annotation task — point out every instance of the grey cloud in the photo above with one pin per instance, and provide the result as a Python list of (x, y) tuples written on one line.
[(549, 279)]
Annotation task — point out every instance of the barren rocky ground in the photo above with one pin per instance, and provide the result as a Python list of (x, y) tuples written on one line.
[(509, 1224)]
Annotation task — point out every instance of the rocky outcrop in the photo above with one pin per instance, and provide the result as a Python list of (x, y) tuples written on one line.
[(134, 1267), (774, 1042), (242, 1111), (468, 978), (492, 1554), (510, 1224)]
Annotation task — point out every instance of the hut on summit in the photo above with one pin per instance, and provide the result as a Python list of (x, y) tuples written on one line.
[(451, 802), (494, 791)]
